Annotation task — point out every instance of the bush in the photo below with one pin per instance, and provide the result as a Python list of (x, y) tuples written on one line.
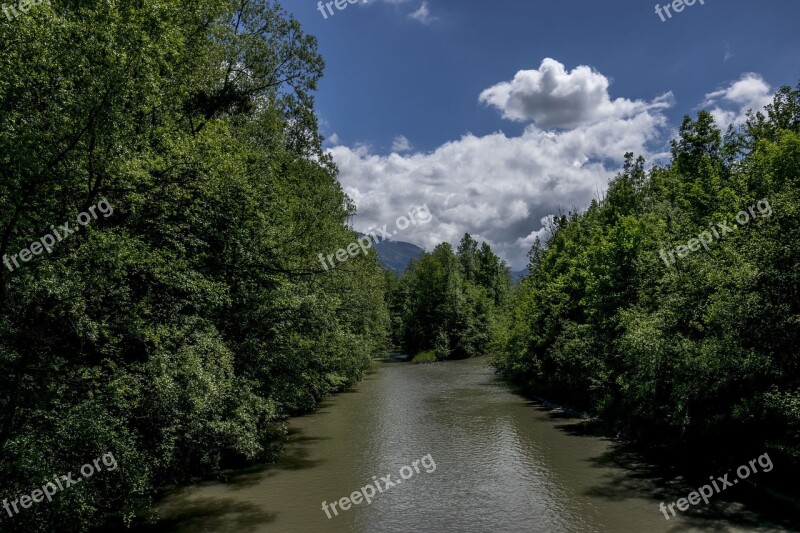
[(428, 356)]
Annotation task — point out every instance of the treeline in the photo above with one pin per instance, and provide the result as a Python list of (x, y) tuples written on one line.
[(702, 350), (180, 331), (450, 305)]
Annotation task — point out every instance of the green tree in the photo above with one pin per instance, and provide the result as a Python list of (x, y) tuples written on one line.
[(179, 332), (687, 354)]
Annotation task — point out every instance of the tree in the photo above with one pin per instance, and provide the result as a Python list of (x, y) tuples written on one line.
[(179, 332), (688, 354)]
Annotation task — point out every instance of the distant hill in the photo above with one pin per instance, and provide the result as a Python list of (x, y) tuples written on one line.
[(519, 274), (395, 255)]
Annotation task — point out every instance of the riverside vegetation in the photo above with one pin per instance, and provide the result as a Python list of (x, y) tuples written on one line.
[(703, 354), (181, 332)]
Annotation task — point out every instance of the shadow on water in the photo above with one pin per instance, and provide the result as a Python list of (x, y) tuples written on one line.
[(747, 506), (187, 513), (395, 357), (640, 472), (228, 514), (213, 514), (294, 457)]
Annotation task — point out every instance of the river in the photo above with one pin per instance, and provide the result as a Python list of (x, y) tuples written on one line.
[(502, 464)]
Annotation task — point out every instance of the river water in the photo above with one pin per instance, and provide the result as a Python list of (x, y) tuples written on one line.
[(502, 464)]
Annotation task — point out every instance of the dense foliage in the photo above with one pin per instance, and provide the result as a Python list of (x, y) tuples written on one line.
[(699, 352), (178, 332), (451, 303)]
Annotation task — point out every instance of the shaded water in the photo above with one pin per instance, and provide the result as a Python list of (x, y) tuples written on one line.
[(502, 464)]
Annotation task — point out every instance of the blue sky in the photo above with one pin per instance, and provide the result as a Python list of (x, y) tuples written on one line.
[(510, 110)]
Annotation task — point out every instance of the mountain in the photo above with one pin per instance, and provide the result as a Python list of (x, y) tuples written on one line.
[(519, 274), (395, 255)]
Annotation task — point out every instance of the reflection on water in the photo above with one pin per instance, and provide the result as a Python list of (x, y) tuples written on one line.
[(502, 464)]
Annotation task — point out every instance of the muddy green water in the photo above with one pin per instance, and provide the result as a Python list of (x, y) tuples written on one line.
[(502, 464)]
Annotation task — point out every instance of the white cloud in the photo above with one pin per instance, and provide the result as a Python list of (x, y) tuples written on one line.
[(423, 14), (730, 105), (499, 188), (554, 98), (728, 54), (503, 189), (401, 144), (542, 233)]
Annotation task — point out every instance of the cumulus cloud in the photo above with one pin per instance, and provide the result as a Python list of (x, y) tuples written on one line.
[(551, 97), (401, 144), (498, 188), (542, 233), (729, 105)]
